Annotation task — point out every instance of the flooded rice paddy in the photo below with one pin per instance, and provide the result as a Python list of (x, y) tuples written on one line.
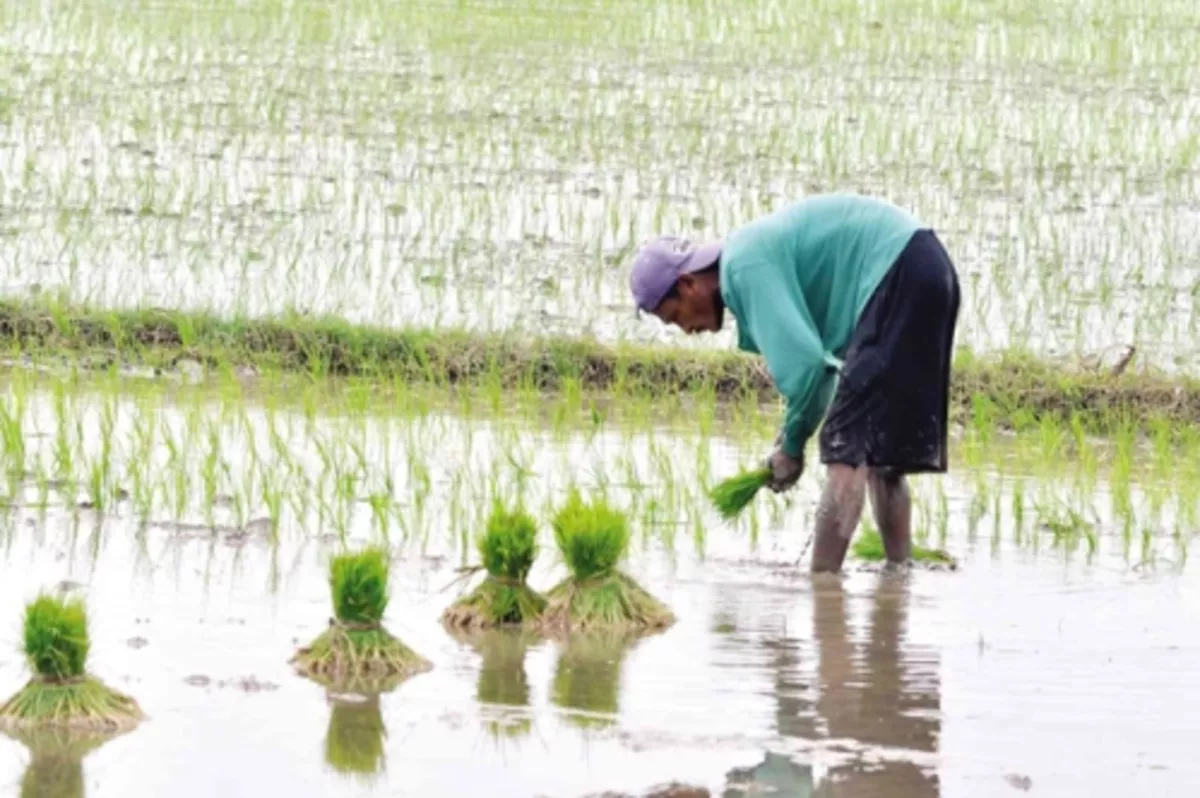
[(492, 164), (1056, 645)]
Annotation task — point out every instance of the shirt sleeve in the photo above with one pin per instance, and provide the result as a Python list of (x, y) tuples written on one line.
[(777, 319)]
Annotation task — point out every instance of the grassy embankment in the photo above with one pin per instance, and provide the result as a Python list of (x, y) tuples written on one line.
[(1008, 390)]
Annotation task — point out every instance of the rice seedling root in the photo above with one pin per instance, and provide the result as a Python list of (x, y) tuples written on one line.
[(83, 703), (349, 654), (610, 602), (496, 602)]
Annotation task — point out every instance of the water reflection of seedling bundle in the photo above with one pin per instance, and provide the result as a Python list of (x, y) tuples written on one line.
[(56, 755), (61, 692), (587, 677), (592, 539), (356, 650), (503, 687), (355, 738), (507, 548)]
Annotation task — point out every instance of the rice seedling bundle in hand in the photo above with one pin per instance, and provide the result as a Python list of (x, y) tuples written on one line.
[(61, 692), (731, 496), (356, 649), (507, 548), (593, 538)]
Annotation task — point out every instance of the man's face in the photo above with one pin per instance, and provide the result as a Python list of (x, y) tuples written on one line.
[(693, 305)]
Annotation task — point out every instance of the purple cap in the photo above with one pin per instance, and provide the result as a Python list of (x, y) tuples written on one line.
[(660, 262)]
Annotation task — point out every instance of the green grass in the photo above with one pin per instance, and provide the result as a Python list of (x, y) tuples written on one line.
[(1011, 389)]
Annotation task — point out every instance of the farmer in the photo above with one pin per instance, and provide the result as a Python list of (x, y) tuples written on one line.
[(849, 299)]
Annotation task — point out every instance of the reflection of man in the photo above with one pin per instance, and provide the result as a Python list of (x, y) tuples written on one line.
[(884, 695)]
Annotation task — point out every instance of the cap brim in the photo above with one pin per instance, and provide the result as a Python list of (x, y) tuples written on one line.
[(703, 257)]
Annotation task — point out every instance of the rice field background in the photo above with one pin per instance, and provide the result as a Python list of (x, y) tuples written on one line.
[(476, 174), (492, 164)]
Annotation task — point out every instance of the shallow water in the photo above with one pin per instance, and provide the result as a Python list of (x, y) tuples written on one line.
[(919, 685), (1026, 667)]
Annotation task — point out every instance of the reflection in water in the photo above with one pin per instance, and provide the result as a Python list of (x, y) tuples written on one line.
[(55, 768), (354, 740), (587, 677), (881, 694), (503, 684)]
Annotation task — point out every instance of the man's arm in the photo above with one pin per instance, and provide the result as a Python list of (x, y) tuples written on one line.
[(777, 318)]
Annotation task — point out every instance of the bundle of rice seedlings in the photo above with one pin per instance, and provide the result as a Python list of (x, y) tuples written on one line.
[(593, 538), (356, 648), (869, 546), (507, 548), (354, 739), (732, 495), (61, 692), (587, 676)]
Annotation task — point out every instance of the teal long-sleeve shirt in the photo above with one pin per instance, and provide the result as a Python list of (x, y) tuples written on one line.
[(797, 280)]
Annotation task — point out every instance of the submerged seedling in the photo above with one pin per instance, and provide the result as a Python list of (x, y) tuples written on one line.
[(356, 650), (869, 546), (61, 692), (593, 538), (507, 548)]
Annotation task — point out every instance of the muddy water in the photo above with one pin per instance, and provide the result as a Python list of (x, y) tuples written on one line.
[(1017, 671), (1033, 661)]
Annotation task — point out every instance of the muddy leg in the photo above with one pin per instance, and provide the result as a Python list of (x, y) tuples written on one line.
[(892, 507), (837, 516)]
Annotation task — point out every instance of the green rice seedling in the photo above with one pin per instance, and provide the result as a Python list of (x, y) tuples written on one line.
[(869, 546), (355, 736), (732, 495), (592, 539), (356, 649), (507, 548), (61, 692)]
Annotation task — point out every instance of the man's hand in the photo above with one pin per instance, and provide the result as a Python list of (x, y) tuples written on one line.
[(785, 470)]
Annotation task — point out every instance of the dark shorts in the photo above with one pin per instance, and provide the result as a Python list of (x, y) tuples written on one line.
[(890, 407)]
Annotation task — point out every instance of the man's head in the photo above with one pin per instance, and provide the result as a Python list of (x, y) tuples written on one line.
[(679, 283)]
